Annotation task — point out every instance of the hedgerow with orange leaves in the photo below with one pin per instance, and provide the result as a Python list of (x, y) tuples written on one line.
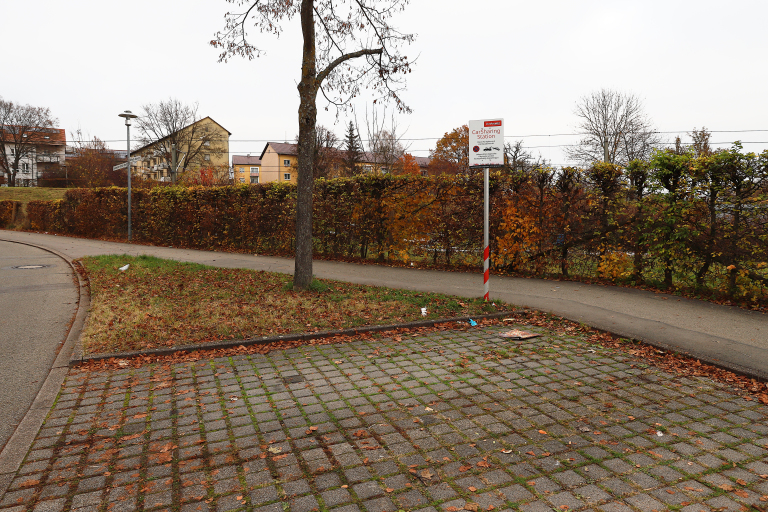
[(8, 211), (673, 222)]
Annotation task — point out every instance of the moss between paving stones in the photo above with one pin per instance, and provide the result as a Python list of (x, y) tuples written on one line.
[(368, 425)]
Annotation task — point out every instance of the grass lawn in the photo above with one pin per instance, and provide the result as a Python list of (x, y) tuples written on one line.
[(164, 303), (27, 194)]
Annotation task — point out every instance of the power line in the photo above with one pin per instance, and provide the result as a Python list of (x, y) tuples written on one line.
[(666, 132)]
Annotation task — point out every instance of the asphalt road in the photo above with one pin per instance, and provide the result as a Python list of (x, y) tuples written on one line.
[(724, 335), (36, 308)]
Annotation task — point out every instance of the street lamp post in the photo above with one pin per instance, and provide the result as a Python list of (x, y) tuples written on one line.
[(128, 116)]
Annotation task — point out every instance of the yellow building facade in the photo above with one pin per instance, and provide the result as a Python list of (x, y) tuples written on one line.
[(279, 162), (202, 144), (246, 169)]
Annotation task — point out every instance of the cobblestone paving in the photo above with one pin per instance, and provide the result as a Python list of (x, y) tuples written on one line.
[(441, 422)]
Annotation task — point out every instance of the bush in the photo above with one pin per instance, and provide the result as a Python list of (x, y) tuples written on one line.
[(9, 211), (536, 228)]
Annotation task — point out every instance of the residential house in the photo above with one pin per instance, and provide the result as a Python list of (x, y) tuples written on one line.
[(423, 162), (202, 144), (279, 161), (42, 150), (246, 169)]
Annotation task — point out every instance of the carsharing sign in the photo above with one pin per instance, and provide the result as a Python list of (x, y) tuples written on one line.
[(486, 143), (486, 149)]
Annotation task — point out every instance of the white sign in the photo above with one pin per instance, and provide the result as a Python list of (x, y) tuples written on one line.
[(117, 167), (486, 143)]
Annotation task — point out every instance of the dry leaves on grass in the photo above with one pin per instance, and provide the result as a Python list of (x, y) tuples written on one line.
[(162, 303)]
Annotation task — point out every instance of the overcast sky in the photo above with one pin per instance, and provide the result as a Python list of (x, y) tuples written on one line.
[(693, 63)]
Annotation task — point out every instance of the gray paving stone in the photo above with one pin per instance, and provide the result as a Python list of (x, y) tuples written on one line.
[(379, 505), (367, 490), (263, 495), (304, 504), (645, 503), (49, 505), (336, 497)]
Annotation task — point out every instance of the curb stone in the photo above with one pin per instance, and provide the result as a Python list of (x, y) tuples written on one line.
[(78, 358)]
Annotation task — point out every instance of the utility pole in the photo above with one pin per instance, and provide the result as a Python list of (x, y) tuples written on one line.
[(127, 115)]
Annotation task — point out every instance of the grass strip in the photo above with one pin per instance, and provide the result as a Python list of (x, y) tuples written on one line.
[(27, 194), (164, 303)]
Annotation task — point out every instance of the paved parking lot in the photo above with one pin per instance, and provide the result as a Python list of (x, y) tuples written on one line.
[(454, 420)]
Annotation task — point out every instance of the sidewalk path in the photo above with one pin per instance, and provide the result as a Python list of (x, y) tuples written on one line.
[(723, 335), (37, 304), (450, 422)]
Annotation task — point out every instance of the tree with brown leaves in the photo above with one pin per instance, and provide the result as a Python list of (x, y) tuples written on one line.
[(93, 164), (451, 153)]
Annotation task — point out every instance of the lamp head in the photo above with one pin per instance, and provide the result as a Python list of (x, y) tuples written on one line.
[(128, 116)]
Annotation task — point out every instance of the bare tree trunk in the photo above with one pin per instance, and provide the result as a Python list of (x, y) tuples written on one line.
[(668, 273), (637, 264), (302, 275), (564, 261)]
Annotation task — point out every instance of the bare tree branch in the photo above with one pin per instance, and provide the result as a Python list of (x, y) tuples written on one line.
[(22, 129), (336, 36), (616, 127)]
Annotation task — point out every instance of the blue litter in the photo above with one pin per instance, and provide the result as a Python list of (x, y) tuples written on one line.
[(472, 322)]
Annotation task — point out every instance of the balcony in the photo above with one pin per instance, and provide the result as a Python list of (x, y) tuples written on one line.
[(53, 159)]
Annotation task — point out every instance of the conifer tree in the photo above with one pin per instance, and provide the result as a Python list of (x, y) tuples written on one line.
[(353, 155)]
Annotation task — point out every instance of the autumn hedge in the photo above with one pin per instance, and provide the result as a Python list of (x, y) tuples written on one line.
[(8, 211), (602, 222)]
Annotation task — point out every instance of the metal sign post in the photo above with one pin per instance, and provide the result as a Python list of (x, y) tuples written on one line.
[(486, 150), (486, 238)]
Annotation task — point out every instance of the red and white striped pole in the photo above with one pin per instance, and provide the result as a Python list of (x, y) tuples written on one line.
[(486, 237)]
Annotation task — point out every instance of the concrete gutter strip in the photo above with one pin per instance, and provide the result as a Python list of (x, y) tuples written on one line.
[(78, 358), (21, 441)]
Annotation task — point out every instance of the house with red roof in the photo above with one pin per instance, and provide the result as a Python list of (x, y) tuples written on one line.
[(31, 152)]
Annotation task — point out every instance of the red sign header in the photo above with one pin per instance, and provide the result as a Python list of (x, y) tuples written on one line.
[(486, 124)]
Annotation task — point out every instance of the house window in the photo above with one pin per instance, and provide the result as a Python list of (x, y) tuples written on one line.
[(25, 167), (287, 176), (242, 180), (207, 157), (254, 180), (207, 143), (286, 163), (367, 168), (254, 171)]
